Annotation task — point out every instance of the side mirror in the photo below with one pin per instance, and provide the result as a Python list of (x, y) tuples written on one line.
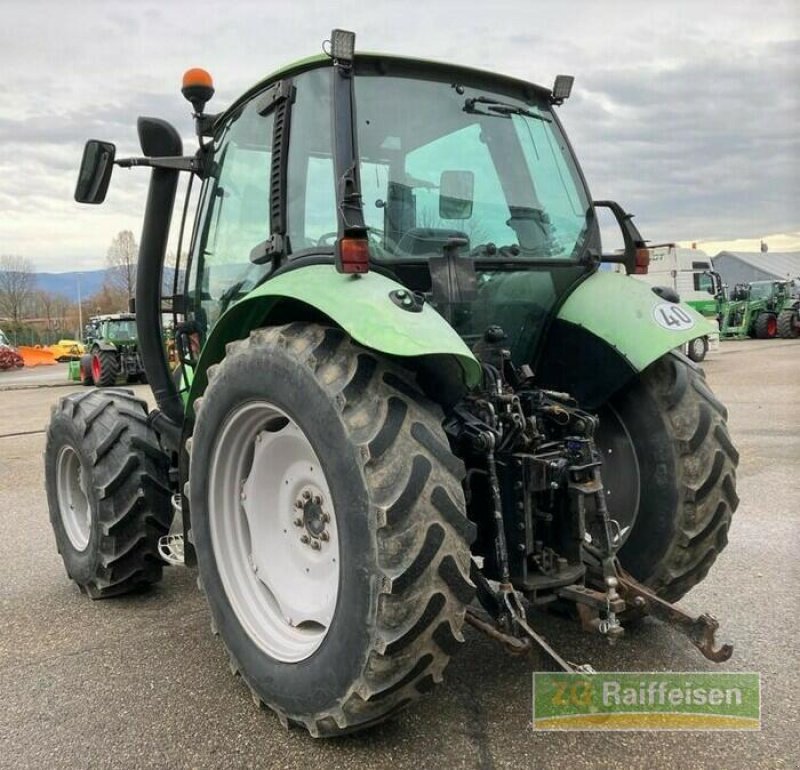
[(95, 173), (456, 194), (636, 257)]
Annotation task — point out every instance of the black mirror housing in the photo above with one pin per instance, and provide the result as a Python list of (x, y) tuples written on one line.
[(95, 172), (636, 257)]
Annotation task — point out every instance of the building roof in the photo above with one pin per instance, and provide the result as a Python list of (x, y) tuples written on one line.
[(785, 264)]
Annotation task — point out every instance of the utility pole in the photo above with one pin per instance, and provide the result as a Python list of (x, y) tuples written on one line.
[(80, 312)]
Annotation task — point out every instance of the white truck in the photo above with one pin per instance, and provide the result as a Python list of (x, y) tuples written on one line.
[(688, 272)]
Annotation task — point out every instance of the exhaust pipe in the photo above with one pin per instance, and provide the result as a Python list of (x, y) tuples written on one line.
[(158, 138)]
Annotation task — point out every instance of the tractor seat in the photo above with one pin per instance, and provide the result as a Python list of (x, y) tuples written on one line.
[(427, 240)]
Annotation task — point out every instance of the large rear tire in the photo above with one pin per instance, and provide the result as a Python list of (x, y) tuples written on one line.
[(330, 528), (670, 474), (789, 323), (105, 368), (107, 490), (766, 326)]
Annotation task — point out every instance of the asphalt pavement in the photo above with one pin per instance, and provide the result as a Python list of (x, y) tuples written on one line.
[(140, 681)]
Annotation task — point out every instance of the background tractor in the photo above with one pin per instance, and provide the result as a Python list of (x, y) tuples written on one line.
[(409, 398), (753, 309), (789, 313), (113, 351)]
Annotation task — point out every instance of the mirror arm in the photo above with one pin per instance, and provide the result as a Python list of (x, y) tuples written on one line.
[(631, 237), (181, 163)]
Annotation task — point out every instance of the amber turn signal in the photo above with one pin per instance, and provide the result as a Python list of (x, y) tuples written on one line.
[(353, 255), (642, 261)]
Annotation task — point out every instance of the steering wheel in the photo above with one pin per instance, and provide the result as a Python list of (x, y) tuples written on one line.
[(323, 239), (492, 251)]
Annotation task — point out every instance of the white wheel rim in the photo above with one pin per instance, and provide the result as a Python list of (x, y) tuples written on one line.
[(273, 531), (73, 498)]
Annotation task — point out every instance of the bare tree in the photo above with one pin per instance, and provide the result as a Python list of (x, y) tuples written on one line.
[(17, 282), (123, 254), (109, 299), (46, 302)]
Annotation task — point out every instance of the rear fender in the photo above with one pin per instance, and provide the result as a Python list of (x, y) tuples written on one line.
[(364, 306), (608, 330)]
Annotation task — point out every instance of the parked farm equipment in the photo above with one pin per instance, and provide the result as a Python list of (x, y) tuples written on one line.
[(409, 398), (761, 309), (113, 351)]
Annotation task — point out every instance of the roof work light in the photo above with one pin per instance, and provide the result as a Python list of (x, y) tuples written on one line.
[(343, 45), (562, 88)]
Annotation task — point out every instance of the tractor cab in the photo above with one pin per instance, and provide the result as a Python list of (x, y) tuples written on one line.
[(472, 199)]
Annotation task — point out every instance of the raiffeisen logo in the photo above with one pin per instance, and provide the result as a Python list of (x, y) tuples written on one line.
[(647, 701), (660, 693)]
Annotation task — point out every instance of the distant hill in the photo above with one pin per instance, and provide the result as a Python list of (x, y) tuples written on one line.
[(66, 284)]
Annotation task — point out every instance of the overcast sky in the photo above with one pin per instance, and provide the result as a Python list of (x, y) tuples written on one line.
[(685, 112)]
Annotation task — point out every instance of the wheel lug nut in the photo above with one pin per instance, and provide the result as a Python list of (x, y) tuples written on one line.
[(306, 495), (304, 539), (315, 545), (298, 522), (317, 500), (326, 517), (324, 536), (298, 503)]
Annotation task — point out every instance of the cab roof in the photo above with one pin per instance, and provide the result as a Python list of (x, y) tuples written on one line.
[(403, 66)]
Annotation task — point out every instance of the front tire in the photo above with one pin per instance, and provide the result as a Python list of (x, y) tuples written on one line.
[(368, 449), (107, 491), (670, 475), (85, 369), (697, 349)]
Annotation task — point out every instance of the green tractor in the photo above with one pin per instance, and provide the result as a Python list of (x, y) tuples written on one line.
[(409, 397), (111, 342), (789, 313), (761, 309)]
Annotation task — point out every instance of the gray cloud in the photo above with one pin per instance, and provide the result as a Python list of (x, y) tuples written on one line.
[(706, 146), (684, 113)]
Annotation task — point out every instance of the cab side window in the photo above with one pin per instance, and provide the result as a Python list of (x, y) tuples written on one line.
[(236, 215)]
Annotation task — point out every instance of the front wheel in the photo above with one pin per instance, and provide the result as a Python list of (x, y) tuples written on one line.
[(669, 468), (697, 349), (85, 370), (329, 524), (107, 490)]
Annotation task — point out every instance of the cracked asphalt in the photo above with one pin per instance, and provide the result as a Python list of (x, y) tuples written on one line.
[(140, 682)]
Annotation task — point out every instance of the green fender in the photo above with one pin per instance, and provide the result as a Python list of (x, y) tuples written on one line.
[(630, 317), (360, 305)]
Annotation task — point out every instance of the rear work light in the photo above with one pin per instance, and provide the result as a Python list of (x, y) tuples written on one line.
[(642, 262), (352, 255)]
